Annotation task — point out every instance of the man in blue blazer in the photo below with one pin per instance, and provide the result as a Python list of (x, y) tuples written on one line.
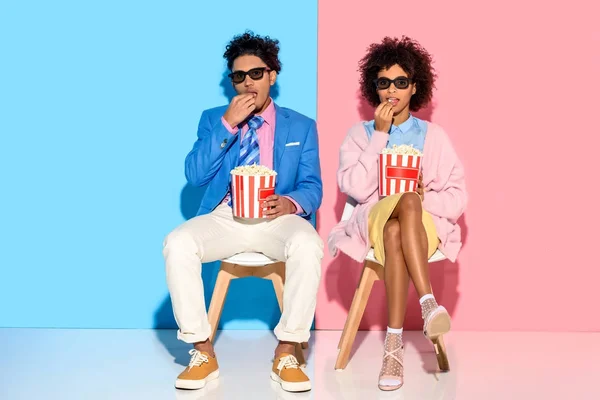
[(252, 129)]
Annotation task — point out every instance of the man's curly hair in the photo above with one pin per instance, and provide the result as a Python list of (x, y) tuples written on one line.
[(413, 59), (265, 48)]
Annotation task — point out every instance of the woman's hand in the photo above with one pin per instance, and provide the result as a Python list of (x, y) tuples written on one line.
[(383, 117)]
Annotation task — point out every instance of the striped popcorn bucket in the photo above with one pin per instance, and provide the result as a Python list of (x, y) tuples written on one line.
[(249, 192), (398, 173)]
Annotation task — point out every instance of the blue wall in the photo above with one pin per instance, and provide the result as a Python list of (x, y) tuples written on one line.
[(100, 102)]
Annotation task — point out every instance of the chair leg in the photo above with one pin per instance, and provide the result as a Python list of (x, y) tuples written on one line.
[(348, 320), (369, 275), (343, 335), (379, 271), (218, 297)]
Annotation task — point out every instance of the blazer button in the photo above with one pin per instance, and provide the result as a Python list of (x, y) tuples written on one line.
[(223, 145)]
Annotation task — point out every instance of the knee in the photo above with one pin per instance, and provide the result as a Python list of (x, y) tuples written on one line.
[(179, 242), (306, 243), (410, 203), (391, 233)]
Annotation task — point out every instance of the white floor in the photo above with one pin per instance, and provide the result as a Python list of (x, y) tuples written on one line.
[(143, 364)]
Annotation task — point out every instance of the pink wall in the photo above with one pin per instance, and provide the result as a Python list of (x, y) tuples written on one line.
[(513, 76)]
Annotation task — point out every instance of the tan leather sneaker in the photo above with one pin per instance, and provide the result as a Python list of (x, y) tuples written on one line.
[(287, 372), (202, 369)]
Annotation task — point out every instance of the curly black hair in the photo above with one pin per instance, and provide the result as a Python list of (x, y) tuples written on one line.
[(265, 48), (413, 59)]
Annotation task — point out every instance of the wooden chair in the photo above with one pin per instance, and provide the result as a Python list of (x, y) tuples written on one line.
[(372, 271), (241, 266)]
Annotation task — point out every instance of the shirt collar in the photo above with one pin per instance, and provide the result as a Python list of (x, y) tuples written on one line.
[(269, 113), (405, 126)]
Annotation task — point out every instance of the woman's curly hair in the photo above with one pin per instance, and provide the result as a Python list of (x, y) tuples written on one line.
[(413, 59), (265, 48)]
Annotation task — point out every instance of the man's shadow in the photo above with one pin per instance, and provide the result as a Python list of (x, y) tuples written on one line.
[(343, 275), (250, 302)]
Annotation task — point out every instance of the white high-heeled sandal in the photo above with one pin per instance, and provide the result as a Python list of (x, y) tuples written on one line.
[(391, 376)]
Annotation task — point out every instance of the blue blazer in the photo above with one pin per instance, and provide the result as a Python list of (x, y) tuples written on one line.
[(216, 153)]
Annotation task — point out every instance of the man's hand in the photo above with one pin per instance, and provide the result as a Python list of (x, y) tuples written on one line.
[(276, 206), (240, 108), (383, 117)]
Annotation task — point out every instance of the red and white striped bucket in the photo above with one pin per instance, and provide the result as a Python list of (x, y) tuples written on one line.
[(398, 173), (249, 192)]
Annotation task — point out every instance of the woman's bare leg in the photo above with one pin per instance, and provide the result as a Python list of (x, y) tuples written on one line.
[(413, 239), (395, 274)]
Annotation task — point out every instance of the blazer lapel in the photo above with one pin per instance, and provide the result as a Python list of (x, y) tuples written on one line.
[(233, 154), (282, 130)]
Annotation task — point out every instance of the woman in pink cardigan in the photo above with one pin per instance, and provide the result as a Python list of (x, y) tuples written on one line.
[(404, 229)]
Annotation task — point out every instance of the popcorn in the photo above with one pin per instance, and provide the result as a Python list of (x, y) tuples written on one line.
[(254, 169), (403, 149)]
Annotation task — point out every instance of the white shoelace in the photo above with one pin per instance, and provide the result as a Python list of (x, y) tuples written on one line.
[(197, 359), (287, 362)]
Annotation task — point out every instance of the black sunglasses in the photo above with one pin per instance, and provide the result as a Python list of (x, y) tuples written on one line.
[(255, 74), (400, 82)]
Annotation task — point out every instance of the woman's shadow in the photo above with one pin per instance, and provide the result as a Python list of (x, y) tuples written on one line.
[(343, 275), (250, 302)]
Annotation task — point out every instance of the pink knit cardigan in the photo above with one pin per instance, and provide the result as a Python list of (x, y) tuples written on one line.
[(443, 177)]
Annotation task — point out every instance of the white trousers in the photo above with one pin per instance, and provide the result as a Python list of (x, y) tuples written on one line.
[(217, 236)]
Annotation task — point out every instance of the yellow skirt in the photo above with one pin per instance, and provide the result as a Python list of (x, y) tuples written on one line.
[(379, 216)]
